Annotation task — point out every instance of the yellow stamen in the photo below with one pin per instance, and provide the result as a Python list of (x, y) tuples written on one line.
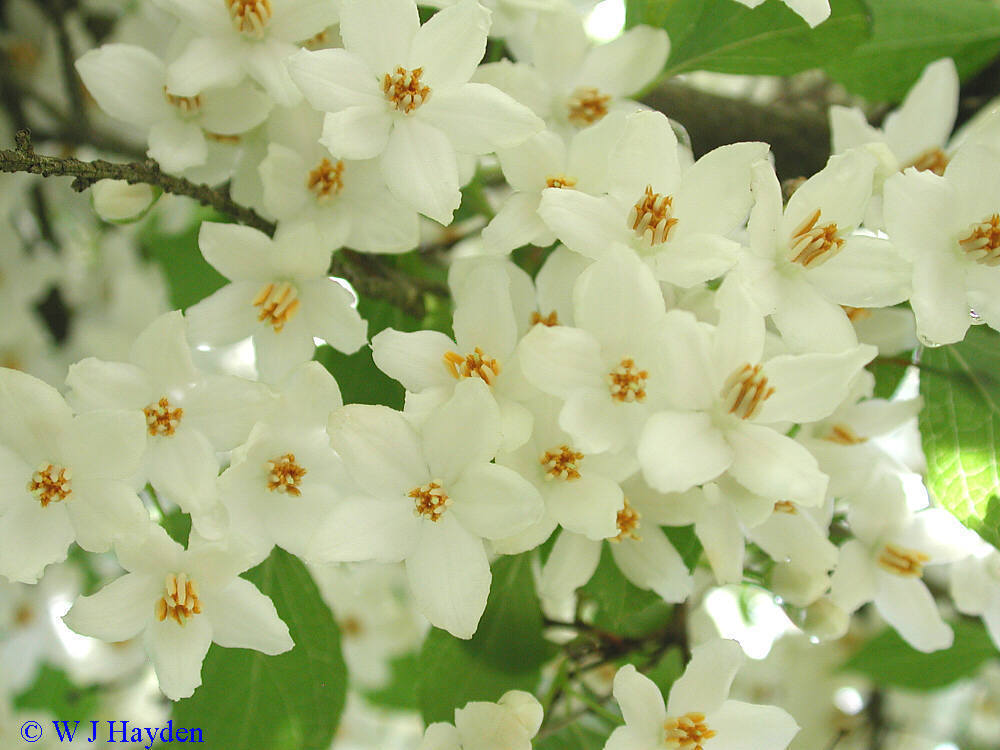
[(908, 563), (50, 484), (278, 303), (812, 244), (476, 365), (587, 106), (687, 732), (745, 391), (628, 523), (326, 180), (627, 382), (404, 89), (180, 600), (284, 475), (250, 16), (983, 242), (561, 463), (161, 419), (430, 499), (651, 217)]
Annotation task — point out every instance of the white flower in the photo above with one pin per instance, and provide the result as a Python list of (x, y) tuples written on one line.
[(541, 162), (129, 83), (640, 549), (62, 478), (729, 406), (238, 38), (813, 12), (183, 601), (347, 200), (885, 562), (281, 295), (676, 219), (609, 371), (699, 711), (508, 724), (430, 364), (975, 587), (188, 416), (400, 91), (432, 497), (805, 260), (569, 81), (950, 227)]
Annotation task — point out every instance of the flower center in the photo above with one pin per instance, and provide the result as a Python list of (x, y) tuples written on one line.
[(587, 106), (161, 419), (627, 382), (180, 600), (650, 218), (932, 160), (50, 484), (784, 506), (687, 732), (326, 180), (552, 319), (842, 434), (476, 365), (186, 105), (983, 242), (908, 563), (250, 16), (560, 463), (628, 523), (814, 244), (745, 391), (278, 304), (560, 181), (430, 500), (404, 90), (284, 475), (854, 314)]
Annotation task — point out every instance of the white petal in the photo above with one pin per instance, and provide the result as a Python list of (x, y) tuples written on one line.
[(571, 563), (380, 31), (654, 564), (840, 190), (366, 528), (808, 387), (32, 537), (517, 223), (495, 502), (704, 686), (303, 19), (646, 154), (225, 317), (379, 448), (745, 726), (776, 467), (234, 111), (334, 79), (177, 653), (478, 118), (177, 145), (101, 510), (184, 468), (679, 450), (587, 505), (484, 313), (463, 432), (639, 699), (850, 129), (243, 617), (224, 408), (559, 360), (127, 82), (104, 444), (449, 576), (721, 535), (853, 582), (626, 64), (421, 169), (909, 607), (927, 114), (330, 313), (119, 611), (206, 62), (616, 298), (414, 359), (527, 165), (162, 351), (358, 132), (588, 225), (868, 272), (714, 195), (95, 384), (810, 322), (236, 251), (693, 259), (451, 44)]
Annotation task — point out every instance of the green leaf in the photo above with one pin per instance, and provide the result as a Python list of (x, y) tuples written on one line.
[(622, 607), (909, 34), (889, 374), (726, 37), (686, 543), (890, 661), (506, 653), (54, 693), (360, 381), (576, 736), (189, 276), (667, 670), (401, 692), (288, 702), (178, 526), (960, 428)]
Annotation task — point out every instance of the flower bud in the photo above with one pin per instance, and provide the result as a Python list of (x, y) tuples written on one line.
[(525, 707), (797, 585), (119, 202), (823, 620)]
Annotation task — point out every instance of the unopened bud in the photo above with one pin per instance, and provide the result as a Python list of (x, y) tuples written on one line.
[(119, 202), (525, 707), (824, 620)]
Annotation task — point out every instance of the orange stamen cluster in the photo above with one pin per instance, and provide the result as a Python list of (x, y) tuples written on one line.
[(284, 475), (326, 180), (687, 732), (250, 16), (587, 106), (842, 434), (180, 600), (476, 365), (983, 242), (908, 563), (187, 105), (552, 319), (627, 521), (932, 160), (161, 419), (561, 463), (745, 391), (404, 89), (813, 244), (50, 484), (278, 303), (560, 181), (627, 382), (651, 217), (430, 499)]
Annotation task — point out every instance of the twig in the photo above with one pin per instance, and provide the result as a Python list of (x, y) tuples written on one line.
[(24, 159)]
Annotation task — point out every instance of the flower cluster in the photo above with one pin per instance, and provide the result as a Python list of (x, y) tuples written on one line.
[(691, 352)]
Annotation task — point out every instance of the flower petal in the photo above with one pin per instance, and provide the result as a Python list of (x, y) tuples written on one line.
[(495, 502), (478, 118), (119, 611), (177, 653), (680, 450), (451, 44), (358, 132), (776, 467), (653, 563), (243, 617), (420, 168), (380, 31), (704, 686)]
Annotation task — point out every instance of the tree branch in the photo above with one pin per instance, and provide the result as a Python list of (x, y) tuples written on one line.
[(24, 159)]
